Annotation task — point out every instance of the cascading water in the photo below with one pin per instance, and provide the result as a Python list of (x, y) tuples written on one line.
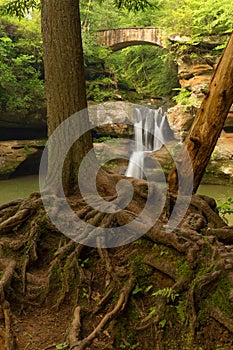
[(151, 131)]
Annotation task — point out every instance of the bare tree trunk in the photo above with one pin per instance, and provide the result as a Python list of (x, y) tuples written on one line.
[(65, 82), (207, 125)]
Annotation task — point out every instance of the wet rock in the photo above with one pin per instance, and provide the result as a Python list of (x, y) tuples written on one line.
[(20, 157)]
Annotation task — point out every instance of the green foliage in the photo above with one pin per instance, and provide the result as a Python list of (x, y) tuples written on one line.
[(18, 7), (21, 86), (162, 323), (100, 90), (181, 310), (102, 139), (147, 69), (184, 97), (84, 263), (133, 5), (197, 18), (136, 290), (226, 208), (167, 293)]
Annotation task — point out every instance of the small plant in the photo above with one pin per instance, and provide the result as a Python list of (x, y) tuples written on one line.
[(226, 208), (148, 288), (153, 310), (83, 263), (136, 289), (184, 98), (102, 139), (128, 346), (85, 294), (181, 308), (162, 323), (26, 147), (166, 292)]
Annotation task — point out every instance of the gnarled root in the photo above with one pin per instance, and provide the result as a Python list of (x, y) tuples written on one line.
[(119, 307)]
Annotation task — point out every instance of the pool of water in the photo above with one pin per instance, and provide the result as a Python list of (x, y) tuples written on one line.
[(21, 187), (220, 193)]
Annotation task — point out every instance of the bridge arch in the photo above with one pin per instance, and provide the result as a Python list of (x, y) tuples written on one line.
[(119, 38)]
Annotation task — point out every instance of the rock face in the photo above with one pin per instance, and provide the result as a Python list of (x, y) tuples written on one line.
[(111, 119), (20, 157), (23, 126), (195, 77)]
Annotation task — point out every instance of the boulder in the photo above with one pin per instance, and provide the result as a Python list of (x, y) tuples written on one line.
[(20, 157)]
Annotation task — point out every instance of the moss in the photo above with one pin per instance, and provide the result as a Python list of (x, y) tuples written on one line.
[(181, 310), (184, 341), (55, 275), (42, 226), (8, 252), (133, 313), (220, 297), (125, 337), (183, 267), (139, 268), (5, 172), (161, 250)]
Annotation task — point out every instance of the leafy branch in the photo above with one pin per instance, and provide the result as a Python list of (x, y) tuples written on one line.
[(18, 8), (132, 5)]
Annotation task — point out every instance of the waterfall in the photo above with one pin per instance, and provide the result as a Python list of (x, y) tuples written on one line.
[(151, 131)]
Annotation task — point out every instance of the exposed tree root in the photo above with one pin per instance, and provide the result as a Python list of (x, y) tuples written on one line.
[(8, 266), (221, 318), (192, 266), (119, 307), (75, 327), (207, 206)]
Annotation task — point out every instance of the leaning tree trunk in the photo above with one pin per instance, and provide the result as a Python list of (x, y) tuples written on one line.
[(65, 82), (207, 125)]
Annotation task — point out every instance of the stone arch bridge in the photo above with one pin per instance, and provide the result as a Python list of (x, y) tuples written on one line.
[(120, 38)]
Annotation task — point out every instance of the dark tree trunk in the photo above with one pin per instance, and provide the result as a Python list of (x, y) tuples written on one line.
[(207, 125), (65, 82)]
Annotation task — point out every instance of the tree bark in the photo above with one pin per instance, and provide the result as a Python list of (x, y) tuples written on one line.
[(206, 127), (65, 83)]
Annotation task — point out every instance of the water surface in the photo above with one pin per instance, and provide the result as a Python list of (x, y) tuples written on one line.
[(21, 187)]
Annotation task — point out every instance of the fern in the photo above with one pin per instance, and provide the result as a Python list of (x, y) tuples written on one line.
[(167, 293), (180, 308)]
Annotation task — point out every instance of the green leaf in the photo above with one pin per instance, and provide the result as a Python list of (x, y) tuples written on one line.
[(148, 289), (136, 290), (162, 323), (61, 346)]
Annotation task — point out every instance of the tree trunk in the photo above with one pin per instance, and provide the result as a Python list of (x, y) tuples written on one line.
[(207, 126), (65, 83)]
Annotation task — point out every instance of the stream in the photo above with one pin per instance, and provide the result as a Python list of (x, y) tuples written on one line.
[(21, 187)]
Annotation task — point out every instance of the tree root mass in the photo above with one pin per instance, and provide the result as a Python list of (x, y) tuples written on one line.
[(162, 291)]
